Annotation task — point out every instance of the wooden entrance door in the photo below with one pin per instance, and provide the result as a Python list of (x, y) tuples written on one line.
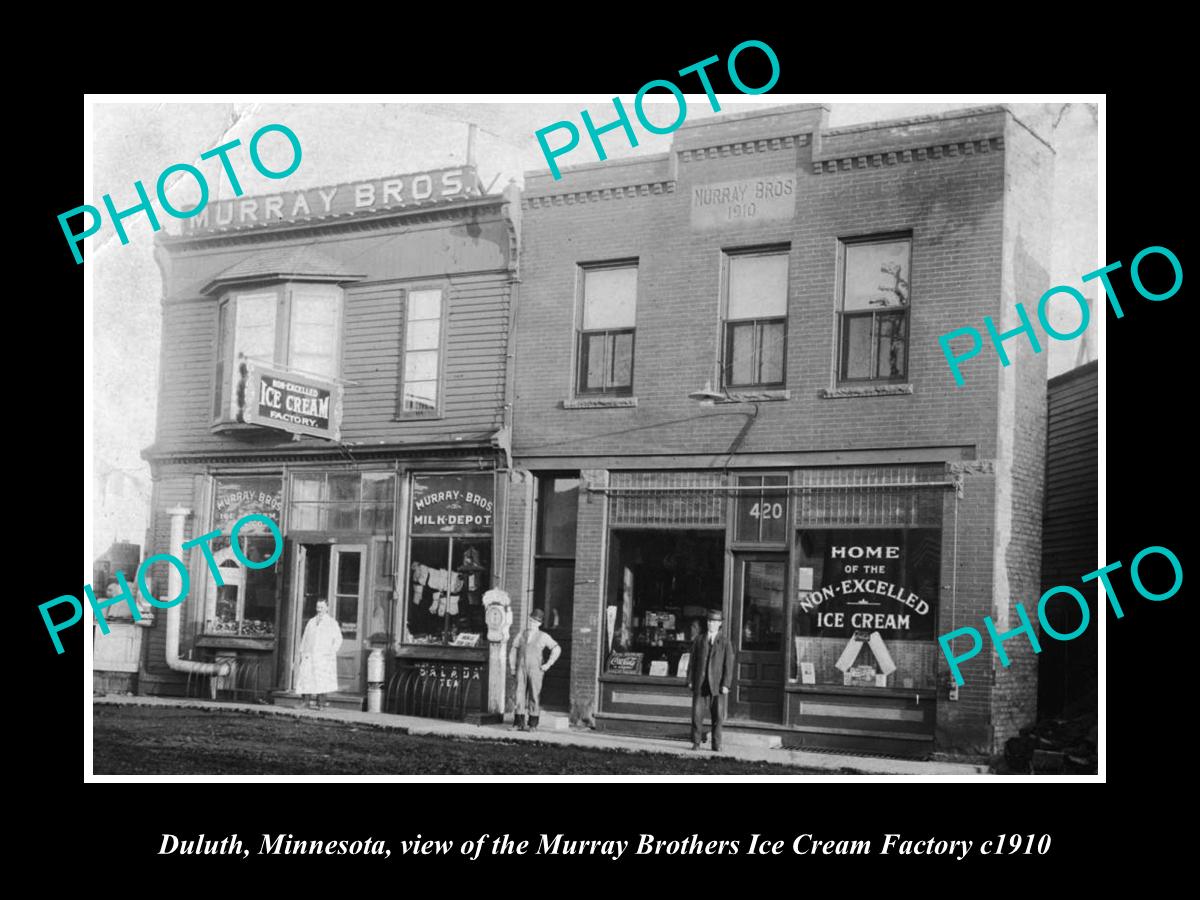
[(347, 577), (554, 591), (336, 573), (758, 630)]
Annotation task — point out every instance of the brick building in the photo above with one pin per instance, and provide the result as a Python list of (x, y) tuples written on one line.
[(334, 360), (729, 395)]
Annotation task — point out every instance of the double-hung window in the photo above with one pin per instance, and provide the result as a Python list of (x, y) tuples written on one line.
[(874, 310), (607, 324), (419, 385), (292, 326), (755, 341)]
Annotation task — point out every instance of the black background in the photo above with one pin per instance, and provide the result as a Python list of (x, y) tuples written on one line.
[(118, 827)]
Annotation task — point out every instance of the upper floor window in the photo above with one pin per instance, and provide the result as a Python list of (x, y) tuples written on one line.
[(293, 326), (755, 340), (607, 329), (421, 377), (874, 310)]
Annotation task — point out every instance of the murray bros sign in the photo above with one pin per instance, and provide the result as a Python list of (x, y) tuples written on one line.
[(763, 199), (314, 203), (301, 404)]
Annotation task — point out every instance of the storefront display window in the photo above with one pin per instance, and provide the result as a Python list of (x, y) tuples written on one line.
[(383, 585), (245, 604), (864, 611), (342, 501), (661, 586), (450, 559)]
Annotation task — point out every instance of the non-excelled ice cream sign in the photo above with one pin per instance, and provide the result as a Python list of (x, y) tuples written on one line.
[(315, 203), (295, 403), (864, 589)]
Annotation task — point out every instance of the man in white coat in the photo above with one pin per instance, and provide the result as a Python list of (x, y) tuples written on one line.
[(316, 673)]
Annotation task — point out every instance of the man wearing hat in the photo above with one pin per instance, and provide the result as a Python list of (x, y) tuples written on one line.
[(710, 672), (525, 657)]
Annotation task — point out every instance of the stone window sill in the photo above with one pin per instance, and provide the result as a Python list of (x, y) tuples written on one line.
[(599, 403), (865, 390), (748, 397), (758, 396)]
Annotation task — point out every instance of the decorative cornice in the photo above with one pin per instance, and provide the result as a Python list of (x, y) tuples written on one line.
[(972, 467), (597, 194), (323, 454), (865, 390), (599, 403), (891, 158), (336, 223), (740, 148)]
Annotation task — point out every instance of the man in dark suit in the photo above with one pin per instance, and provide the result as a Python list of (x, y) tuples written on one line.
[(710, 672)]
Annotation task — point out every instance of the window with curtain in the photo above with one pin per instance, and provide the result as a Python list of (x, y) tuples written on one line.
[(755, 345), (291, 326), (607, 327), (874, 310), (419, 387)]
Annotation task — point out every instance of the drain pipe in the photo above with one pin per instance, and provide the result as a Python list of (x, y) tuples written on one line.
[(191, 666)]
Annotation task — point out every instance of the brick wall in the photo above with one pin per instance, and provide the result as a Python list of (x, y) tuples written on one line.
[(1022, 426), (587, 629), (962, 725), (951, 202), (518, 571)]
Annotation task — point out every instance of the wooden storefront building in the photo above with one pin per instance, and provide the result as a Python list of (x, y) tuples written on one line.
[(340, 368)]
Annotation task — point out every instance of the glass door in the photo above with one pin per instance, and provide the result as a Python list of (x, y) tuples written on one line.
[(758, 630), (347, 572)]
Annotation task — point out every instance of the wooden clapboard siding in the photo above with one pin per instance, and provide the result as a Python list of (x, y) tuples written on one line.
[(474, 345), (1067, 671), (1072, 446)]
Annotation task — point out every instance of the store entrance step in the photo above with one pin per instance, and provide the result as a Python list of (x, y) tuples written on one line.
[(548, 721), (551, 721), (337, 700), (750, 739)]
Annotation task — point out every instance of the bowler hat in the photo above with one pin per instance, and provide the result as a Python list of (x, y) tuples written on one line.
[(537, 615), (714, 615)]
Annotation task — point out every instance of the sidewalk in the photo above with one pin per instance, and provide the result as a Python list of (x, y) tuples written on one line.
[(834, 763)]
